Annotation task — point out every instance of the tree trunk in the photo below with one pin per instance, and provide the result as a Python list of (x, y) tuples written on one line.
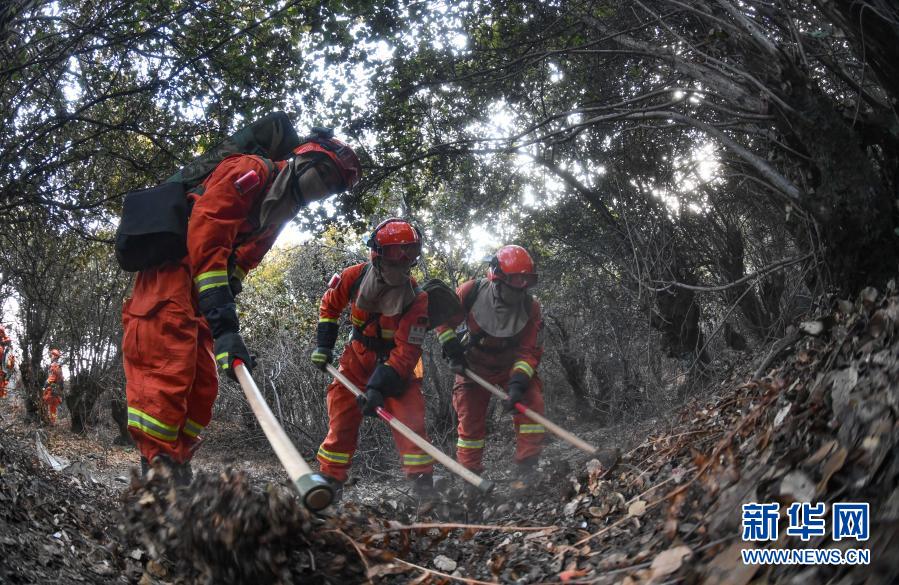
[(574, 366), (31, 383), (81, 400), (677, 318), (118, 408), (851, 201)]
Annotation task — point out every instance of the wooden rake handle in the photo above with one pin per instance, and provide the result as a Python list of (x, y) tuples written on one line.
[(447, 461), (534, 416), (314, 489)]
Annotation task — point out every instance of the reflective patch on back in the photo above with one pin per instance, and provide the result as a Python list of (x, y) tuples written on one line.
[(417, 334)]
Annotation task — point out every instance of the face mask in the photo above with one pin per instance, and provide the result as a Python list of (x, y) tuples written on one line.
[(509, 295), (311, 183), (395, 274)]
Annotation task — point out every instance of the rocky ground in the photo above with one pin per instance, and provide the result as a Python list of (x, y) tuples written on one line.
[(818, 424)]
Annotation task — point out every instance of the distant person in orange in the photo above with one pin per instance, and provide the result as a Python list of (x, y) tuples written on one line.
[(53, 390), (7, 361)]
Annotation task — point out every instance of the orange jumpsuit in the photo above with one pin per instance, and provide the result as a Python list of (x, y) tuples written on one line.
[(52, 390), (406, 331), (167, 344), (6, 359), (496, 359)]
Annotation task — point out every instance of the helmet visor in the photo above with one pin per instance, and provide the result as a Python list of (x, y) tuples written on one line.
[(519, 280), (408, 253), (345, 159)]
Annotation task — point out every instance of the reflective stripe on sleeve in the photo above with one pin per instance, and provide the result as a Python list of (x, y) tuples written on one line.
[(446, 336), (524, 367), (211, 279)]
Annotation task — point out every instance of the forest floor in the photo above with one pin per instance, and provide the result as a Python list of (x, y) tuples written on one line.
[(819, 426)]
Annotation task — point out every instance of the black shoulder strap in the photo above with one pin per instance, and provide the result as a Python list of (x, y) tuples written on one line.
[(472, 296), (354, 288)]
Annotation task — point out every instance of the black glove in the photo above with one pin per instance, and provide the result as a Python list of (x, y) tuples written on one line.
[(229, 347), (386, 381), (370, 401), (217, 305), (321, 357), (518, 386), (454, 352)]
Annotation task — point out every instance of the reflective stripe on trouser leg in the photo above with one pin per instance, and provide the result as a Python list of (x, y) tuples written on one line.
[(409, 408), (203, 392), (152, 426), (344, 417), (470, 402), (333, 456), (528, 434), (417, 460), (159, 349), (470, 443), (192, 428)]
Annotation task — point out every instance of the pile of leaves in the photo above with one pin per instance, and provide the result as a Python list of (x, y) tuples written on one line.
[(224, 529), (56, 527), (821, 427)]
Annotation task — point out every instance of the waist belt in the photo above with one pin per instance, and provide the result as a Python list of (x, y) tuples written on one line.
[(472, 341), (371, 342)]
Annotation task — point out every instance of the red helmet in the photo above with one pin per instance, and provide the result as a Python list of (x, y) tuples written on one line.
[(395, 240), (512, 265), (55, 353), (322, 140)]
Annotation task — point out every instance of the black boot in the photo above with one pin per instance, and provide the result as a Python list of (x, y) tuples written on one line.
[(423, 485), (180, 473), (423, 490), (336, 486), (184, 474), (472, 493), (524, 473)]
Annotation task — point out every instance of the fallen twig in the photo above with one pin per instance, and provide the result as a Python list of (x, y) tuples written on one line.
[(445, 575), (494, 527), (359, 551)]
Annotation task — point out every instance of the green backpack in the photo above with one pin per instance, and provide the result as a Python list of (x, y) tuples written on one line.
[(153, 226)]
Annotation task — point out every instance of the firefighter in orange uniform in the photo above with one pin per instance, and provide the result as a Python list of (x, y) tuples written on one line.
[(182, 319), (7, 361), (53, 389), (500, 343), (390, 317)]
